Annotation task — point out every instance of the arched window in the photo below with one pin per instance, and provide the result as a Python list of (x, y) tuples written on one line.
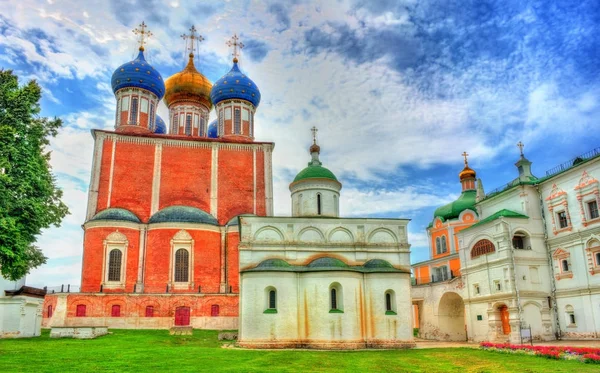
[(318, 204), (272, 299), (444, 247), (133, 113), (151, 123), (80, 310), (598, 259), (390, 302), (175, 124), (438, 246), (214, 310), (336, 300), (116, 311), (565, 265), (182, 258), (50, 311), (570, 314), (114, 265), (149, 311), (188, 124), (482, 247), (237, 121)]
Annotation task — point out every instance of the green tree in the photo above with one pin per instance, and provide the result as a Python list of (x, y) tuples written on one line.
[(29, 198)]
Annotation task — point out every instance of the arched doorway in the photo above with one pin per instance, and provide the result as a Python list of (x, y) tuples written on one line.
[(505, 318), (451, 317), (182, 316)]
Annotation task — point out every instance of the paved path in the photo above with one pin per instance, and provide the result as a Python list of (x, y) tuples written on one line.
[(424, 343)]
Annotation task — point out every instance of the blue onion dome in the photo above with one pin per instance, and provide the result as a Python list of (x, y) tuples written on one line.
[(235, 85), (138, 74), (159, 126), (213, 129)]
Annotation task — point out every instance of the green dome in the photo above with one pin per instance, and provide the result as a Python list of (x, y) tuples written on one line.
[(453, 209), (327, 262), (315, 172), (273, 263), (183, 214), (378, 263), (116, 214)]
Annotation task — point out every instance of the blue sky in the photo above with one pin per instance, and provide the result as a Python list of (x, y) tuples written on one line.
[(398, 90)]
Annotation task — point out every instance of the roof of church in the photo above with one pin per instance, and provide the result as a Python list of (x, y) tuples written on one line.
[(315, 172), (138, 74), (159, 126), (325, 264), (183, 214), (213, 129), (502, 213), (116, 214), (453, 209), (235, 85)]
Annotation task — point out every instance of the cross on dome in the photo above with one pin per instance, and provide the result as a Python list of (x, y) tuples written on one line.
[(237, 46), (193, 39), (520, 145), (314, 131), (143, 34), (465, 154)]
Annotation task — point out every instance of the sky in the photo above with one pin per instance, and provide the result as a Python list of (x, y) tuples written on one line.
[(397, 89)]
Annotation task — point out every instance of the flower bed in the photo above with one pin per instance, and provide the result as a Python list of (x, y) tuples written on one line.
[(588, 355)]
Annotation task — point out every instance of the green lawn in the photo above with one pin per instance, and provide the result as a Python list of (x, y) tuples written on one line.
[(156, 350)]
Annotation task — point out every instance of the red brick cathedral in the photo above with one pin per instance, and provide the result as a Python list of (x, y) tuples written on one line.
[(161, 233)]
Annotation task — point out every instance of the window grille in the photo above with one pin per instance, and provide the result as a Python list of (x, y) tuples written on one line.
[(116, 311), (149, 311), (272, 299), (151, 123), (482, 247), (80, 312), (562, 219), (188, 124), (133, 113), (237, 121), (114, 265), (593, 209), (333, 299), (181, 265), (202, 130), (221, 121), (175, 124)]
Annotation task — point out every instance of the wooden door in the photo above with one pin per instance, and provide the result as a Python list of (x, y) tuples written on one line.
[(182, 316), (214, 310), (505, 320)]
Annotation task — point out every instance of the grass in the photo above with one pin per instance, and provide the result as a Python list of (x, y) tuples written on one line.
[(156, 350)]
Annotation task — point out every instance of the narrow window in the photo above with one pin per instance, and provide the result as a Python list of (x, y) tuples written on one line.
[(181, 265), (80, 312), (220, 123), (444, 247), (572, 317), (593, 209), (598, 259), (151, 123), (188, 124), (251, 129), (476, 289), (272, 300), (438, 246), (237, 121), (388, 302), (565, 265), (318, 204), (175, 124), (114, 265), (50, 311), (116, 311), (562, 219), (333, 299), (202, 130), (214, 310), (517, 242), (133, 113), (149, 311)]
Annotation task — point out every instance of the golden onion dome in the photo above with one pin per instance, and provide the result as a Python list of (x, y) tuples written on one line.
[(467, 173), (188, 85)]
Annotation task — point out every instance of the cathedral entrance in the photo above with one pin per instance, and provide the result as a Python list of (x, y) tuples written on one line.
[(182, 316), (451, 317), (505, 318)]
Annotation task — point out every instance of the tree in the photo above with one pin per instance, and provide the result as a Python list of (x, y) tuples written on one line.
[(29, 198)]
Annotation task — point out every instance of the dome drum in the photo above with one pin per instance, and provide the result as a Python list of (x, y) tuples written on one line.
[(235, 119), (188, 120)]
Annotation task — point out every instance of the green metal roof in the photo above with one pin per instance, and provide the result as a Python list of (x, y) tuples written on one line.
[(502, 213), (453, 209), (116, 214), (183, 214), (315, 172), (325, 264)]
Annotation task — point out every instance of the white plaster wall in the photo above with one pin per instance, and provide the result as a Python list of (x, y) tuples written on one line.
[(304, 197), (586, 317), (20, 317), (388, 327)]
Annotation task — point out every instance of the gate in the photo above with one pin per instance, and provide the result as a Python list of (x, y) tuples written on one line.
[(182, 316)]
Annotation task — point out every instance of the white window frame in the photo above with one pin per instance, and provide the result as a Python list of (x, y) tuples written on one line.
[(182, 240), (115, 240)]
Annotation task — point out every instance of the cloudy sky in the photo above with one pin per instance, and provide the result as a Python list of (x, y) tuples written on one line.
[(398, 90)]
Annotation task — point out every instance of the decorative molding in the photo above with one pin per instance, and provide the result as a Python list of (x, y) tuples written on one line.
[(214, 181), (155, 203), (95, 179), (112, 169)]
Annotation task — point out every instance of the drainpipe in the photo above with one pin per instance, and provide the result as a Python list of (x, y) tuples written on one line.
[(514, 271), (550, 264)]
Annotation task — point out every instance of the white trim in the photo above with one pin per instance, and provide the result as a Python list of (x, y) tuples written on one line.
[(182, 240), (254, 180), (156, 179), (214, 180), (95, 179), (115, 240), (112, 169)]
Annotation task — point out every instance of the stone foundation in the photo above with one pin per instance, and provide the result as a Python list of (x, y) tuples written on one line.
[(82, 332), (327, 345)]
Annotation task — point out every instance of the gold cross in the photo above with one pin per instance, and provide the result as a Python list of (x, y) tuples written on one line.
[(235, 43), (314, 132), (520, 146), (192, 37), (465, 154), (143, 33)]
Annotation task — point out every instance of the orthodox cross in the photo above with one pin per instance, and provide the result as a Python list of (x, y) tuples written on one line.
[(520, 146), (465, 154), (237, 46), (314, 132), (143, 33), (193, 38)]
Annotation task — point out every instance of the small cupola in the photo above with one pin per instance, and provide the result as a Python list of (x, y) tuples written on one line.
[(467, 176), (524, 166)]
